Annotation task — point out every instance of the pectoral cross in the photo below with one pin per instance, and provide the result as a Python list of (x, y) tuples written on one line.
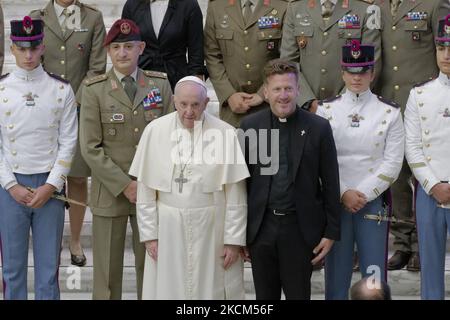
[(181, 180)]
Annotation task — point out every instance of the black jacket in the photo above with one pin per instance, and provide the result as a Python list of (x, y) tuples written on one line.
[(315, 174), (181, 32)]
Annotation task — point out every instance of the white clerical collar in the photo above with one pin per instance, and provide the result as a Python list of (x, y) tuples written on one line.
[(120, 76), (357, 97), (444, 79), (59, 8), (29, 75), (323, 1)]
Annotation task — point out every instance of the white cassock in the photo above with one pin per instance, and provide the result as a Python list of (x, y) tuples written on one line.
[(193, 224)]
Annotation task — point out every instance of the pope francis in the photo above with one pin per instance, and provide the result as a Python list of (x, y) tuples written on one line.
[(191, 201)]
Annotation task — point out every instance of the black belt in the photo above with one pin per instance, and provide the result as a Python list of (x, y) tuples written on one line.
[(278, 212)]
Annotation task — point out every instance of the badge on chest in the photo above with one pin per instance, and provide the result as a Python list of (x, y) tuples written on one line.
[(355, 120), (29, 99)]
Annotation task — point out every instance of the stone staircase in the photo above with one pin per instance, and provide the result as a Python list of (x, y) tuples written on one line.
[(76, 283)]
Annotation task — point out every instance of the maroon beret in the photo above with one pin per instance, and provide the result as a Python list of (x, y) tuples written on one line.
[(123, 30)]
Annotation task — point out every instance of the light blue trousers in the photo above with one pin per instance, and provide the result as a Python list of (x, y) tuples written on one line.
[(433, 223), (46, 224), (371, 242)]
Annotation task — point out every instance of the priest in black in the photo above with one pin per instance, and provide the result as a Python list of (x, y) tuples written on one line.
[(293, 199)]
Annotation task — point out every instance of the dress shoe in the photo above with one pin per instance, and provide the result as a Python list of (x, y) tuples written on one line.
[(398, 260), (78, 260), (414, 263)]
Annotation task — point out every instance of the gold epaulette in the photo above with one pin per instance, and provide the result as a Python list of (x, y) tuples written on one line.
[(156, 74), (368, 1), (95, 79)]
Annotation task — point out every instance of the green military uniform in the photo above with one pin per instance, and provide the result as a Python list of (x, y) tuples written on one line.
[(2, 39), (74, 55), (315, 43), (110, 129), (236, 52), (409, 57)]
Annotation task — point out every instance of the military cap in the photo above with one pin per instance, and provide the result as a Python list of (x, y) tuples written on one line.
[(358, 58), (443, 35), (123, 30), (27, 32)]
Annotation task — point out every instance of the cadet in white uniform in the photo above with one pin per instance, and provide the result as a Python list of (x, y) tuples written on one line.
[(38, 134), (427, 126), (369, 137)]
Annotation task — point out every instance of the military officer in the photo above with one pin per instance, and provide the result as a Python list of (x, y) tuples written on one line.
[(314, 30), (116, 107), (74, 41), (2, 39), (427, 125), (38, 134), (369, 137), (240, 38), (408, 31)]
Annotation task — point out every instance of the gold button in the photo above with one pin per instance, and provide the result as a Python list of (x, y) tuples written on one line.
[(14, 152), (394, 28), (330, 118), (388, 110), (5, 100), (63, 76), (63, 62), (397, 87), (59, 100), (135, 112), (349, 34), (420, 104), (247, 66), (377, 144), (371, 170), (2, 88), (423, 118), (428, 158), (427, 145), (11, 126), (415, 27), (16, 166), (245, 31), (427, 131), (245, 48), (12, 139), (394, 48), (51, 152), (327, 106), (322, 89), (325, 33), (384, 122), (270, 36), (63, 48), (324, 53), (136, 129), (323, 70), (61, 87), (395, 68), (419, 91), (380, 133), (302, 32), (249, 82), (8, 113)]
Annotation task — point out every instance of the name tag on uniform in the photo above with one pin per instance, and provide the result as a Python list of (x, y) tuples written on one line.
[(416, 16), (349, 21), (268, 22), (117, 117), (81, 30)]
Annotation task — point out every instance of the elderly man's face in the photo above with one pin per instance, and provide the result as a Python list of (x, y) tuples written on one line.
[(125, 55), (190, 100)]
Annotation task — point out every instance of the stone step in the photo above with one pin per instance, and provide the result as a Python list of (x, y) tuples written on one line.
[(79, 280)]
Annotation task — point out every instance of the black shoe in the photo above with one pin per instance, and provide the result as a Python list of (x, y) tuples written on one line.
[(78, 260), (414, 263), (398, 260)]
